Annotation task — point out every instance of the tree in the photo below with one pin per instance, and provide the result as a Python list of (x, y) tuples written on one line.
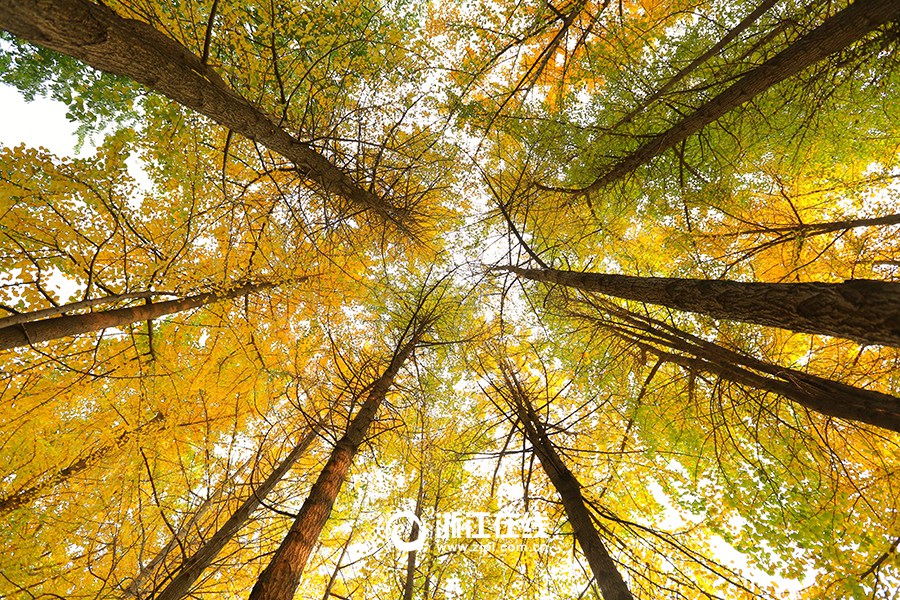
[(862, 310), (135, 50), (819, 394), (282, 576), (31, 329), (837, 32), (192, 568), (26, 495), (607, 576)]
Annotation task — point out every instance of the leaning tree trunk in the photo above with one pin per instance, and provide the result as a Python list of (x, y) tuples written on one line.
[(54, 311), (606, 574), (833, 35), (27, 495), (818, 394), (281, 577), (134, 588), (782, 234), (32, 332), (862, 310), (806, 230), (200, 560), (712, 51), (98, 36)]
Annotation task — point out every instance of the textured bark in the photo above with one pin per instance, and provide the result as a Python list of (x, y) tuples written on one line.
[(862, 310), (833, 35), (191, 570), (98, 36), (606, 574), (818, 394), (712, 51), (27, 495), (34, 332), (824, 396), (61, 310), (281, 577)]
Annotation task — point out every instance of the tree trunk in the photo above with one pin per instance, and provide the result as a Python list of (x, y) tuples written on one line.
[(340, 561), (715, 49), (33, 332), (17, 318), (188, 573), (811, 229), (281, 577), (818, 394), (787, 233), (833, 35), (410, 582), (25, 496), (98, 36), (606, 574), (135, 587), (862, 310)]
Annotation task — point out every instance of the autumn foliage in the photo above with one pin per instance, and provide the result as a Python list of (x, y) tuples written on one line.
[(625, 270)]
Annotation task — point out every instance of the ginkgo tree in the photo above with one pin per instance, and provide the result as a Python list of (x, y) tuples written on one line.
[(601, 298)]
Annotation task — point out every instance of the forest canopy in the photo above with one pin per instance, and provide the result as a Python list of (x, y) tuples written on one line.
[(462, 299)]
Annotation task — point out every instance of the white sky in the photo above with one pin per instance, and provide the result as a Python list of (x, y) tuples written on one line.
[(39, 123)]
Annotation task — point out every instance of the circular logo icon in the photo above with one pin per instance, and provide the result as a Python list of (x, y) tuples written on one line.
[(395, 531)]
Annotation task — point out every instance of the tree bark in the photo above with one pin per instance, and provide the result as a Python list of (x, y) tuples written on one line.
[(191, 570), (833, 35), (27, 495), (281, 577), (42, 330), (54, 311), (862, 310), (818, 394), (98, 36), (606, 574), (712, 51)]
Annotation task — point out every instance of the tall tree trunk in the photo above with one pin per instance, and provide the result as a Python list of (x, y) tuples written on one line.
[(833, 35), (98, 36), (53, 311), (712, 51), (281, 577), (784, 234), (862, 310), (42, 330), (787, 233), (410, 582), (27, 495), (606, 574), (818, 394), (135, 587), (821, 228), (196, 564)]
